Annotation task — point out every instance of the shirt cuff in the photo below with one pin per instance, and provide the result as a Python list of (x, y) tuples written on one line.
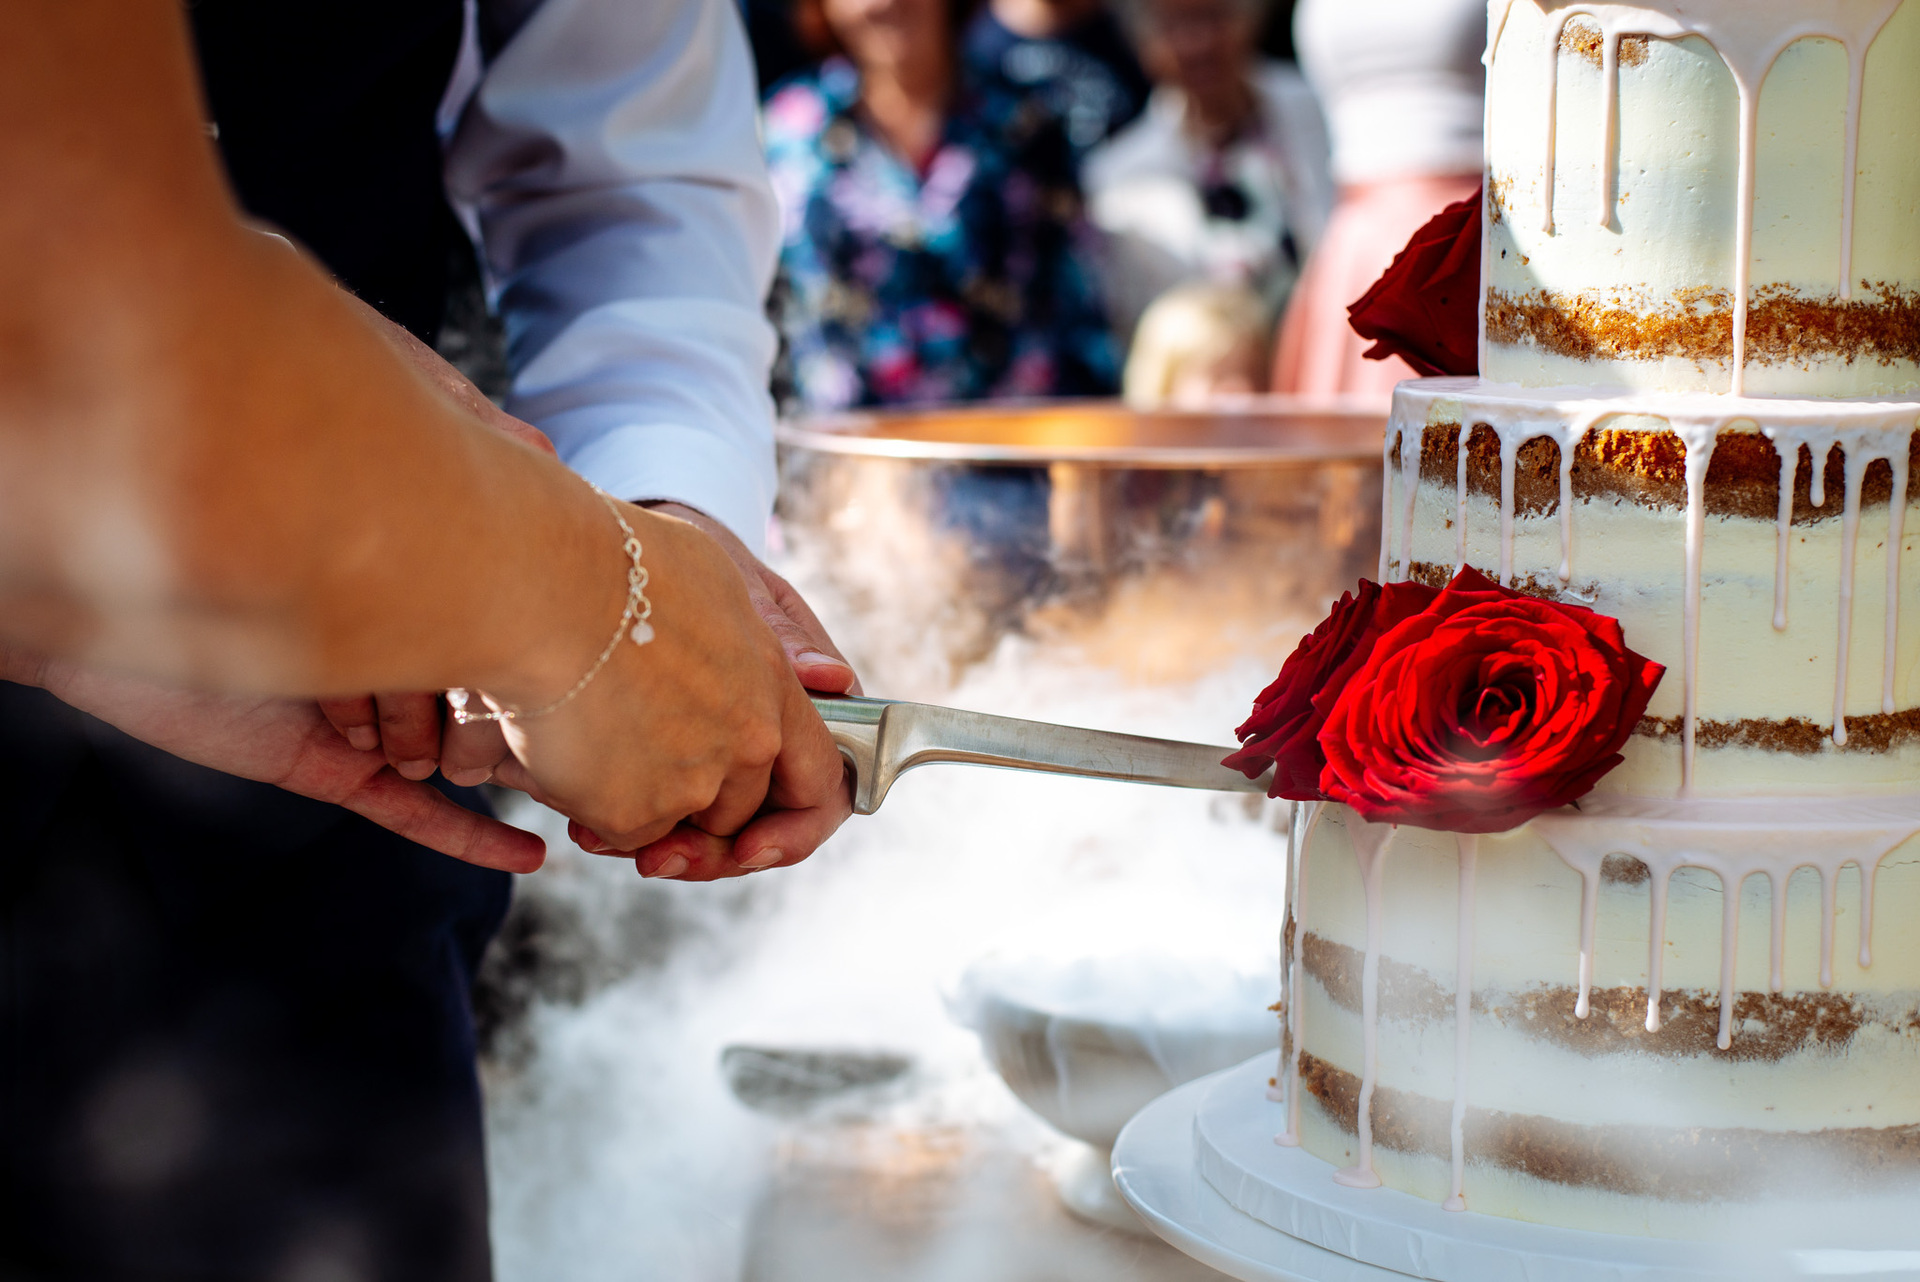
[(667, 462)]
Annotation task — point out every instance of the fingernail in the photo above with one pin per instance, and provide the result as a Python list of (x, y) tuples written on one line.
[(365, 738), (469, 778), (416, 769), (814, 656), (765, 859), (673, 867)]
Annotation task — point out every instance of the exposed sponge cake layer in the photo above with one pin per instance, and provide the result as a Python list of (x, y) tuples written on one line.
[(1782, 1054), (1640, 460), (1865, 345), (1793, 609), (1686, 1163)]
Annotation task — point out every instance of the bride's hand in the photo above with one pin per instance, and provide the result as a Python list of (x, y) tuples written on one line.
[(801, 810), (689, 737)]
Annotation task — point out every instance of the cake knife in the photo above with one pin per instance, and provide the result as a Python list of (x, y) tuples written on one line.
[(882, 739)]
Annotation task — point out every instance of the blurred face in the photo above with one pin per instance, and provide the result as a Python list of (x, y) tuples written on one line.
[(886, 35), (1203, 381), (1203, 47)]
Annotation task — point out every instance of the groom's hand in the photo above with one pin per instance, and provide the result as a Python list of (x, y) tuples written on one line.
[(285, 742), (411, 729), (816, 660)]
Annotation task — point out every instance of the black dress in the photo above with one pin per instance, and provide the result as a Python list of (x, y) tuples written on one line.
[(235, 1032)]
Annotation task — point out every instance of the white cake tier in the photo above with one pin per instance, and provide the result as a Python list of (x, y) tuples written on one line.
[(1750, 615), (1743, 183), (1473, 1016)]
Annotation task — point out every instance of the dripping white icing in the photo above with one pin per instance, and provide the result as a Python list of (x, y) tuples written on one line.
[(1699, 440), (1778, 880), (1514, 423), (1849, 541), (1410, 443), (1403, 439), (1749, 38), (1469, 848), (1396, 428), (1864, 429), (1589, 913), (1370, 842), (1306, 817), (1277, 1088), (1783, 537), (1862, 450), (1734, 840), (1568, 443), (1460, 514), (1509, 452), (1615, 22), (1896, 536), (1659, 882), (1850, 162), (1729, 950)]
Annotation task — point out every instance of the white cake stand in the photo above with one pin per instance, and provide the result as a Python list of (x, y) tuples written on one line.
[(1200, 1167), (1155, 1171)]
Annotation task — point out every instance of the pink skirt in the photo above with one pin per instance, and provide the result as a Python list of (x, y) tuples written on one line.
[(1318, 353)]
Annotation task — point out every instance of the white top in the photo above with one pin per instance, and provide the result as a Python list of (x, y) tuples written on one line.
[(1401, 82), (1143, 193), (608, 158)]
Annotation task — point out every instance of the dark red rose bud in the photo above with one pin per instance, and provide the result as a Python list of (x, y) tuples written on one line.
[(1482, 711), (1283, 731), (1426, 309)]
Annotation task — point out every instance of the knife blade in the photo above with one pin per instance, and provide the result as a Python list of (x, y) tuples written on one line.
[(881, 739)]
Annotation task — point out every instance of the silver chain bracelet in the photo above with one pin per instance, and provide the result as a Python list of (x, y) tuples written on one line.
[(635, 625)]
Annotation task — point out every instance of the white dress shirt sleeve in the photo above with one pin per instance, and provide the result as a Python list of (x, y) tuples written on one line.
[(610, 162)]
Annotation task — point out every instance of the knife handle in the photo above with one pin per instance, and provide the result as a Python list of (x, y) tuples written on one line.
[(881, 739)]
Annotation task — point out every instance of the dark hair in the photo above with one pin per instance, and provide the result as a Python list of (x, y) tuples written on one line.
[(810, 25)]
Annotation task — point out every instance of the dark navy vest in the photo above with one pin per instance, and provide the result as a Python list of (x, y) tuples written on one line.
[(301, 974), (326, 121)]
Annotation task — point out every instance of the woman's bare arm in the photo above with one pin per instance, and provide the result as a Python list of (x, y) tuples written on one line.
[(213, 472), (212, 469)]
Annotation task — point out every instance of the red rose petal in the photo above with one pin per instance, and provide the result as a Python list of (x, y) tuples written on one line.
[(1481, 711), (1426, 308)]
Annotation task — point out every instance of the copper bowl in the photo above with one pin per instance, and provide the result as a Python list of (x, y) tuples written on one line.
[(1160, 544)]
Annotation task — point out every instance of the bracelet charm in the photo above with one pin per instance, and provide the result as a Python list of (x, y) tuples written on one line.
[(635, 625)]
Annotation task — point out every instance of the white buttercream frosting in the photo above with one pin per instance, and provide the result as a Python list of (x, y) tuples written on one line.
[(1743, 897), (1652, 569), (1754, 147), (1752, 150)]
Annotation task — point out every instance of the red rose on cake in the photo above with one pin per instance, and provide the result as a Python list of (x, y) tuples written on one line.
[(1471, 709), (1426, 308), (1284, 730)]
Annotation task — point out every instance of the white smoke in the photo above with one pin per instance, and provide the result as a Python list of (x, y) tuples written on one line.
[(617, 1149)]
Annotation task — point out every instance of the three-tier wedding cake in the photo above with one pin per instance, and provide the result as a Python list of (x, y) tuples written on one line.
[(1693, 998)]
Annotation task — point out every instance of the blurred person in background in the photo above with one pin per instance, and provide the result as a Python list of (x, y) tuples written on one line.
[(236, 1040), (1403, 88), (1197, 345), (934, 245), (1071, 54), (1225, 177), (779, 48)]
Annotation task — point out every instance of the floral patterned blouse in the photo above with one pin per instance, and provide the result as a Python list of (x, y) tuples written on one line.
[(966, 281)]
